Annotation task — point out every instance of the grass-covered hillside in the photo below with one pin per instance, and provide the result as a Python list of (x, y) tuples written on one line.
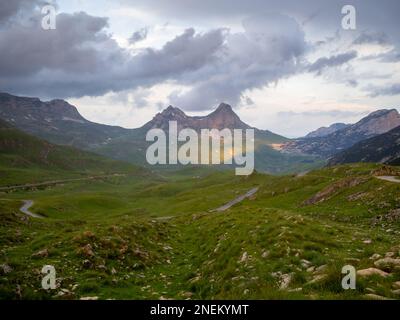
[(160, 237), (27, 159)]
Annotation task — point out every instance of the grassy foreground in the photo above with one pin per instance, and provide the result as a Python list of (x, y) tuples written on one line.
[(152, 237)]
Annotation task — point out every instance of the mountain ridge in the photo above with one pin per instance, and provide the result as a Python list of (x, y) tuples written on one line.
[(384, 148), (374, 124)]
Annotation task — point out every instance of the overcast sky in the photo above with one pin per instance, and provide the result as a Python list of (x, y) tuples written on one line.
[(287, 66)]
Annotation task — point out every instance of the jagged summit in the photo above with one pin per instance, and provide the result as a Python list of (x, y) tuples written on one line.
[(222, 117)]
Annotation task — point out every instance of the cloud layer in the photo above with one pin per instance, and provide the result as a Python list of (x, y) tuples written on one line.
[(82, 57)]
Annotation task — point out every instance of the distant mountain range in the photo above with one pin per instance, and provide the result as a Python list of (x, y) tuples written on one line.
[(374, 124), (384, 148), (59, 122)]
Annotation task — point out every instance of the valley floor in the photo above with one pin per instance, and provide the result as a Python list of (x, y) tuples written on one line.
[(153, 237)]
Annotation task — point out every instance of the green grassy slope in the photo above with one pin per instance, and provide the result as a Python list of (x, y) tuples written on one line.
[(24, 158), (140, 239)]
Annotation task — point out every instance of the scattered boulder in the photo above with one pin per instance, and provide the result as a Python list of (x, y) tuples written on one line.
[(265, 254), (318, 278), (321, 269), (371, 272), (5, 268), (387, 263), (244, 257), (375, 256), (396, 285), (86, 251), (285, 280), (89, 298), (41, 254)]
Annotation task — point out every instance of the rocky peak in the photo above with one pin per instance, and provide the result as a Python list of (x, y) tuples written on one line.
[(224, 107), (223, 117), (324, 131), (378, 122)]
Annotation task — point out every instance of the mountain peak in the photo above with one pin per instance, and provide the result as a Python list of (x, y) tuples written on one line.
[(170, 110), (224, 107), (223, 117)]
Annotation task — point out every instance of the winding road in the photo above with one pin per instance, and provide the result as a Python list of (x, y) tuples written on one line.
[(54, 182), (389, 178), (25, 209), (237, 200)]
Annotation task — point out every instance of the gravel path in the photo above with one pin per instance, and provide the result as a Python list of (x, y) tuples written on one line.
[(25, 209)]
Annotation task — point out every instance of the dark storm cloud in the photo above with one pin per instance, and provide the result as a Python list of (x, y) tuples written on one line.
[(80, 58), (10, 8), (270, 48), (332, 61)]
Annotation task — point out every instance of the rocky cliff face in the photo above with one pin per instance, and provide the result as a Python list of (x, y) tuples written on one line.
[(25, 110), (56, 121), (372, 125)]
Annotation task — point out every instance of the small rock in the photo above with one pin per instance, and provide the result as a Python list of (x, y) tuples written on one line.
[(5, 268), (87, 264), (265, 254), (371, 272), (389, 254), (87, 251), (89, 298), (246, 291), (188, 294), (318, 278), (387, 263), (285, 281), (321, 268), (311, 269), (296, 290), (367, 241), (396, 285), (41, 254), (375, 256), (244, 257), (305, 263), (396, 292)]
